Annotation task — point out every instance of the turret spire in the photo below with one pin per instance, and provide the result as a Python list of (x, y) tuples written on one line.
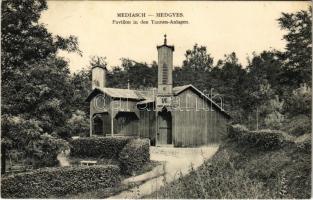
[(165, 68), (165, 40)]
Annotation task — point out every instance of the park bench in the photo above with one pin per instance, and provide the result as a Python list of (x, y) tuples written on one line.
[(88, 162)]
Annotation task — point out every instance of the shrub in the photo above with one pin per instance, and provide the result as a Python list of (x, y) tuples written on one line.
[(27, 136), (134, 155), (46, 151), (274, 117), (298, 125), (78, 123), (214, 179), (304, 142), (235, 131), (300, 101), (51, 182), (245, 172), (107, 147), (265, 139)]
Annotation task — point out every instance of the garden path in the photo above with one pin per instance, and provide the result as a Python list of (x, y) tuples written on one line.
[(175, 161)]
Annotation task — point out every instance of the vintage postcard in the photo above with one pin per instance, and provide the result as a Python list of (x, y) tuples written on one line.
[(156, 99)]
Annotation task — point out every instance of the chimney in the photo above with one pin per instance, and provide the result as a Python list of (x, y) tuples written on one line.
[(98, 76), (165, 68)]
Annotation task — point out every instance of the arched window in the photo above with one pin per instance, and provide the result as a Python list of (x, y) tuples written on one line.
[(100, 101)]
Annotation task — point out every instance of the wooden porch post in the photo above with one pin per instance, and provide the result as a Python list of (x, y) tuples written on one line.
[(156, 127), (90, 125), (112, 129)]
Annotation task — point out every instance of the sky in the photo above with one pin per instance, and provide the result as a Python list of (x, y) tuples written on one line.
[(223, 27)]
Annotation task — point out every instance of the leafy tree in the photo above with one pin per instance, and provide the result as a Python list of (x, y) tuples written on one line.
[(255, 102), (228, 78), (274, 117), (298, 108), (98, 61), (128, 72), (265, 66), (35, 82), (198, 59), (298, 54), (117, 78), (300, 102), (261, 84), (81, 86), (148, 75), (79, 123), (195, 69)]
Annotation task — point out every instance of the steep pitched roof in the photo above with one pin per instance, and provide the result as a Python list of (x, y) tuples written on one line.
[(180, 89), (121, 93), (147, 96)]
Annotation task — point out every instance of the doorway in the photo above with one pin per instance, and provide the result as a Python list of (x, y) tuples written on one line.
[(164, 134), (98, 125)]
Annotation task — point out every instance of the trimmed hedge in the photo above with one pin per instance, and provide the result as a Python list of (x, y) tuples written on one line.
[(235, 131), (264, 139), (52, 182), (106, 147), (131, 153), (134, 155)]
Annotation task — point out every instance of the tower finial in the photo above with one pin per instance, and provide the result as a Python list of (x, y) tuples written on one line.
[(165, 40)]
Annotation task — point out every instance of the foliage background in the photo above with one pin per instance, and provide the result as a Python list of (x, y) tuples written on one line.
[(43, 104)]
